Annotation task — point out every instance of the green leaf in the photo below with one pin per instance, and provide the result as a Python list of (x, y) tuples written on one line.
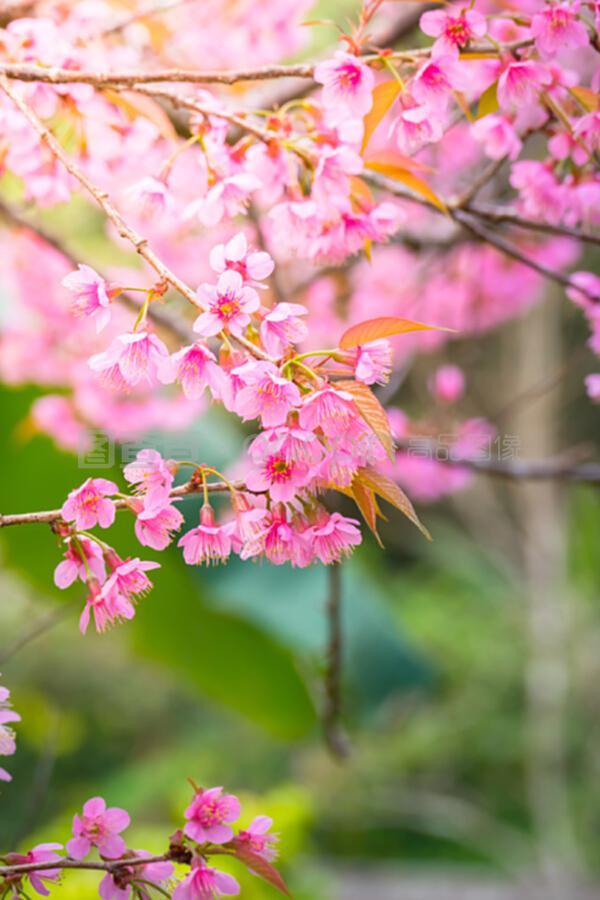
[(488, 102)]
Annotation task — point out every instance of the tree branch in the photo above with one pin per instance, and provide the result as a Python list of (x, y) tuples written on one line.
[(335, 737), (111, 866)]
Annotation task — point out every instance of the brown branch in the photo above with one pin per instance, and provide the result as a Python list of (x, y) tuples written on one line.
[(104, 202), (554, 469), (500, 217), (112, 866), (335, 737), (48, 517)]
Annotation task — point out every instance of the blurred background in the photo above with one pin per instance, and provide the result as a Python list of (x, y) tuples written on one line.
[(470, 665)]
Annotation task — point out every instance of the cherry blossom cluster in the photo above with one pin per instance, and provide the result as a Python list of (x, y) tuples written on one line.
[(7, 738), (137, 873)]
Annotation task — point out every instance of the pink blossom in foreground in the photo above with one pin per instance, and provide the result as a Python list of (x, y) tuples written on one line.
[(257, 839), (373, 362), (283, 326), (331, 410), (252, 265), (82, 556), (347, 82), (195, 369), (98, 827), (453, 27), (279, 539), (208, 542), (204, 883), (334, 537), (138, 879), (91, 294), (132, 359), (436, 79), (448, 384), (276, 473), (521, 82), (209, 814), (153, 475), (87, 505), (265, 395), (41, 853), (556, 27), (7, 737), (154, 527), (230, 305)]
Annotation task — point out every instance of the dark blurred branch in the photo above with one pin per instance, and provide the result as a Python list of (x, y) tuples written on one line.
[(39, 628), (335, 737), (499, 216), (15, 9)]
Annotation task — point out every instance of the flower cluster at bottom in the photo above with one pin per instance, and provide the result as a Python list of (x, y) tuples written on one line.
[(130, 874)]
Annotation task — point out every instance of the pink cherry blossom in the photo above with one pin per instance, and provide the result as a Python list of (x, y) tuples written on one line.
[(521, 82), (373, 362), (329, 409), (138, 878), (592, 386), (453, 27), (151, 196), (334, 536), (265, 395), (208, 542), (347, 82), (114, 601), (204, 883), (276, 473), (209, 814), (154, 477), (556, 27), (7, 738), (498, 136), (436, 79), (230, 304), (414, 126), (41, 853), (154, 527), (87, 505), (91, 294), (194, 368), (283, 326), (132, 359), (98, 827), (253, 265), (280, 539), (256, 838), (82, 557), (448, 384), (227, 197)]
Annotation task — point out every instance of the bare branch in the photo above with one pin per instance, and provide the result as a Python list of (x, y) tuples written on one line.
[(336, 739), (500, 216), (111, 866)]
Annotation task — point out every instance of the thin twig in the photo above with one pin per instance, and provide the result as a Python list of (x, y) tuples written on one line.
[(509, 217), (111, 866), (48, 517), (335, 737), (104, 202)]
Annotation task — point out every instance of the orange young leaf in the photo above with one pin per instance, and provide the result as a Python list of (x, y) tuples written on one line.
[(381, 327), (413, 182), (390, 491), (384, 95), (465, 108), (588, 98), (488, 102), (261, 867), (136, 105), (390, 161), (365, 500), (372, 412)]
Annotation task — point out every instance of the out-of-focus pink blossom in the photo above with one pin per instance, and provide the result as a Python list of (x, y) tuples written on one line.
[(91, 294), (194, 368), (453, 27), (82, 557), (138, 878), (154, 527), (257, 839), (498, 136), (557, 27), (592, 386), (98, 826), (347, 82), (7, 737), (153, 475), (448, 384), (373, 362), (521, 82), (41, 853), (265, 395)]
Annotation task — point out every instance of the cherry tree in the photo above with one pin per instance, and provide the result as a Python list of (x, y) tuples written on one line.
[(303, 231)]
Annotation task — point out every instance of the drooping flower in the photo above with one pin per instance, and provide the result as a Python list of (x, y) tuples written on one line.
[(135, 881), (521, 82), (556, 27), (333, 537), (7, 737), (114, 601), (154, 527), (373, 362), (453, 27), (151, 195), (132, 359), (209, 814), (329, 409), (275, 472), (87, 505), (253, 265), (195, 369), (41, 853), (153, 475), (347, 82), (208, 542), (98, 827), (279, 539), (283, 326), (436, 79), (91, 294), (256, 838), (266, 394), (82, 556), (204, 883), (230, 305)]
